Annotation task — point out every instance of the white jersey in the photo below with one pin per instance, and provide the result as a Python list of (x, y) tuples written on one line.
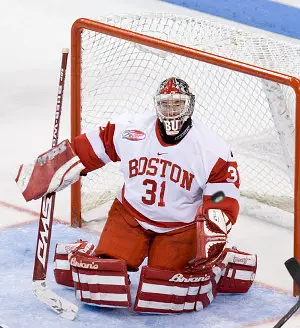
[(163, 184)]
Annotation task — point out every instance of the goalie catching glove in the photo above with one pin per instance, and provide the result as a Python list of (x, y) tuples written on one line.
[(52, 171), (212, 229)]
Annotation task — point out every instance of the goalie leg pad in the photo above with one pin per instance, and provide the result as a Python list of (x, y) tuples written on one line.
[(100, 282), (62, 269), (165, 291), (239, 272)]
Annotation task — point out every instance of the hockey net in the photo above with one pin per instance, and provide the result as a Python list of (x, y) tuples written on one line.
[(112, 75)]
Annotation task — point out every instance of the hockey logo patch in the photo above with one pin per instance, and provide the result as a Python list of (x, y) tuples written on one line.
[(133, 135)]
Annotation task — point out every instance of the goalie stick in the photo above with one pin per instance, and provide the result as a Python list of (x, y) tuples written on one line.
[(42, 292), (293, 268)]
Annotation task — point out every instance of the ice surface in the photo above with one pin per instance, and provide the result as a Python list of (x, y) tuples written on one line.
[(17, 249)]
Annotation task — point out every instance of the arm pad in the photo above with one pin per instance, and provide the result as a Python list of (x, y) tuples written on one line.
[(52, 171)]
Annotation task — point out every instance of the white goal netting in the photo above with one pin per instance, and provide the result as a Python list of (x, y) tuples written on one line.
[(254, 115)]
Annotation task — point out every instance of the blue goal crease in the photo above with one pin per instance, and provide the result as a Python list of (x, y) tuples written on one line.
[(17, 251), (264, 14)]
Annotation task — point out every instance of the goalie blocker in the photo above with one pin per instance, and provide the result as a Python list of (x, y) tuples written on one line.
[(104, 282), (52, 171)]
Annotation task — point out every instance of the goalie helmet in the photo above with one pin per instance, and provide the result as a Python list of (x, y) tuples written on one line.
[(174, 104)]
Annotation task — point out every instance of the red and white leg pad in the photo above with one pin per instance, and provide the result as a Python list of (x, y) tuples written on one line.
[(164, 291), (239, 272), (100, 282), (62, 269)]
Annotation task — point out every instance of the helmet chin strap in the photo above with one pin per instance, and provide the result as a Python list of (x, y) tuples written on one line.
[(172, 140)]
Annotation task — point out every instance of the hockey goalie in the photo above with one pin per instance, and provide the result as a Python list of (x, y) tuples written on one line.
[(166, 211)]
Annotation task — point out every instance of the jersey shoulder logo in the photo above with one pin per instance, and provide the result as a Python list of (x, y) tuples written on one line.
[(133, 135)]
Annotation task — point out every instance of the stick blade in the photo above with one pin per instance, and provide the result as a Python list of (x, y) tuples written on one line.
[(293, 268), (58, 304)]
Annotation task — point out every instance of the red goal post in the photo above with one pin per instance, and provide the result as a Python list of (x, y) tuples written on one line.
[(185, 51)]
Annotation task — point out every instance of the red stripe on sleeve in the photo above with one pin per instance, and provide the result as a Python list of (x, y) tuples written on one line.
[(224, 171), (107, 137), (85, 152)]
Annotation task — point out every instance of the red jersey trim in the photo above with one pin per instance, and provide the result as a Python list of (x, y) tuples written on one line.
[(85, 152), (220, 172), (107, 137), (140, 217)]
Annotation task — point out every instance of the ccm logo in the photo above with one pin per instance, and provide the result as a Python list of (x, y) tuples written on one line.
[(44, 230)]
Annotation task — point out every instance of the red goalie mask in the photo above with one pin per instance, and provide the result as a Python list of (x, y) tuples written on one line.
[(174, 104)]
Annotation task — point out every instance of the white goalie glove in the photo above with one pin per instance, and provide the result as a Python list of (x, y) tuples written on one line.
[(52, 171)]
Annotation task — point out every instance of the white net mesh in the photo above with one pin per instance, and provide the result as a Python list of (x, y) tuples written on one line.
[(253, 115)]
